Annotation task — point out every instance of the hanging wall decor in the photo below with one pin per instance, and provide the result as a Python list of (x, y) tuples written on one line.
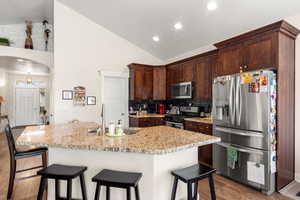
[(91, 100), (67, 95), (28, 41), (79, 95)]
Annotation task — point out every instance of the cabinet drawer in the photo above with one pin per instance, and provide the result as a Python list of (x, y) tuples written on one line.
[(146, 121), (198, 127)]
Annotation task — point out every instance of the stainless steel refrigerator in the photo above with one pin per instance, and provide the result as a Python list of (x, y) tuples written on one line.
[(244, 116)]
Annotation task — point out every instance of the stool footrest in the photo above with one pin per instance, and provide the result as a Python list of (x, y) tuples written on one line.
[(65, 198)]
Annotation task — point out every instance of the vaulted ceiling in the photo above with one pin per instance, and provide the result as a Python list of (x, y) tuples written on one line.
[(139, 20)]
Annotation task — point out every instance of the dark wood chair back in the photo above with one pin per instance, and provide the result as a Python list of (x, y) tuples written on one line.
[(10, 142)]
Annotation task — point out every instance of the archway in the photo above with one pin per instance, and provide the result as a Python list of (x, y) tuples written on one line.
[(25, 86)]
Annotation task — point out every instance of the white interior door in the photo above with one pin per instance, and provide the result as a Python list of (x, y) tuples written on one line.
[(27, 106), (115, 99)]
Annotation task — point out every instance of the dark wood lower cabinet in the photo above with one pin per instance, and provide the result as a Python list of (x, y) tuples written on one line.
[(204, 152), (146, 121)]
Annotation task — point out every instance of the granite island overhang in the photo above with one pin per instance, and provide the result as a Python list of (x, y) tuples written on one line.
[(153, 151)]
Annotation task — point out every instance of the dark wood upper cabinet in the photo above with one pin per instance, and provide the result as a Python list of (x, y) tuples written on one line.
[(230, 60), (260, 52), (187, 71), (159, 83), (203, 79), (147, 87), (147, 82), (141, 82), (173, 76), (197, 69)]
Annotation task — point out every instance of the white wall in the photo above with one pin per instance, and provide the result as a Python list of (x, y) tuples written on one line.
[(16, 35), (295, 20), (81, 49)]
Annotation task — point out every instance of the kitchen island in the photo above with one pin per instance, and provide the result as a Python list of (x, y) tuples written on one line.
[(153, 151)]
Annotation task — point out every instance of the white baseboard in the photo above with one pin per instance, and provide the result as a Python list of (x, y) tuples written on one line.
[(297, 177)]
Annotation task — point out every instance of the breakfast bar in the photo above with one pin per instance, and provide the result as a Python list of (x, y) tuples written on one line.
[(153, 151)]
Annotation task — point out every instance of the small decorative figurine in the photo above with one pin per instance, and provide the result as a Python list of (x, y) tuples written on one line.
[(47, 32), (28, 41)]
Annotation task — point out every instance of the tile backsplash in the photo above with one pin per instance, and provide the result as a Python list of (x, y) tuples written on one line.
[(150, 105)]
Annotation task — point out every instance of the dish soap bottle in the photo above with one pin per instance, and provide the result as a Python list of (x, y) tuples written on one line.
[(119, 129), (111, 128)]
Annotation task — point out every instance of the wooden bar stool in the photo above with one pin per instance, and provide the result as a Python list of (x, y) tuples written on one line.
[(117, 179), (191, 175), (19, 152), (62, 172)]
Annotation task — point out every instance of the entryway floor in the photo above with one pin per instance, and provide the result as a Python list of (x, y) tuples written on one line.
[(27, 189)]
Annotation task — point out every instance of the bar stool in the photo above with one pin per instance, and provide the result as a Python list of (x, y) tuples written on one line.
[(117, 179), (62, 172), (191, 175), (17, 153)]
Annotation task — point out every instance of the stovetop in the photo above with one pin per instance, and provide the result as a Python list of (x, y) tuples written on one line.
[(179, 118)]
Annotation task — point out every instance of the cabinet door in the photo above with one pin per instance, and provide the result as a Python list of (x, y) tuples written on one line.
[(159, 83), (172, 77), (133, 122), (137, 84), (147, 86), (204, 152), (230, 60), (203, 79), (187, 73), (158, 121), (190, 126), (260, 52)]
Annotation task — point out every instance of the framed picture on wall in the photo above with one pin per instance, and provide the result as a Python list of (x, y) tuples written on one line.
[(67, 95), (91, 100)]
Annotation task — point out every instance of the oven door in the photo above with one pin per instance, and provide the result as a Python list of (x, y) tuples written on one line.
[(181, 90), (175, 124)]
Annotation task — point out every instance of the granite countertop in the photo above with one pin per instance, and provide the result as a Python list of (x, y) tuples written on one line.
[(148, 115), (152, 140), (207, 120)]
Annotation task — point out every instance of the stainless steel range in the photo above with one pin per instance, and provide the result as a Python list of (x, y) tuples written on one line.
[(177, 120)]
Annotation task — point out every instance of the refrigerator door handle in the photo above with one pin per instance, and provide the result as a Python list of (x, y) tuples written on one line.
[(231, 102), (244, 150), (242, 133), (238, 101)]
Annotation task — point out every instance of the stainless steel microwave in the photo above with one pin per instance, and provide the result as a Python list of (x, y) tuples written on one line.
[(182, 90)]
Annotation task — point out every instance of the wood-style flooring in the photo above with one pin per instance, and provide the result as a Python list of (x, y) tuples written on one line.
[(27, 189)]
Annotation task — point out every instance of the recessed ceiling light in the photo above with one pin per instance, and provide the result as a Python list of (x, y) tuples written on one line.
[(178, 26), (212, 5), (155, 38)]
